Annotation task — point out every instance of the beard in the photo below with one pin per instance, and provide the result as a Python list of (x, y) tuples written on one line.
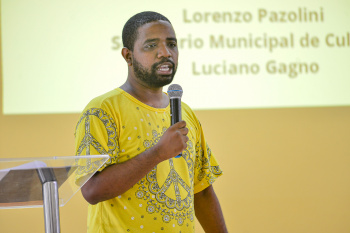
[(150, 77)]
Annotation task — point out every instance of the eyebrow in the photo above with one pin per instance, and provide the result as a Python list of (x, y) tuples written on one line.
[(171, 38), (156, 39)]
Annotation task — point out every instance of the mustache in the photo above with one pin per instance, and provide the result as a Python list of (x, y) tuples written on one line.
[(154, 66)]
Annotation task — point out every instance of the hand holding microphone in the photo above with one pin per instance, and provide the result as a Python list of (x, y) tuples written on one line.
[(175, 94), (175, 139)]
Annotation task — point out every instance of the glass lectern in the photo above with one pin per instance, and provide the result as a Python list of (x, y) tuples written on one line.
[(45, 182)]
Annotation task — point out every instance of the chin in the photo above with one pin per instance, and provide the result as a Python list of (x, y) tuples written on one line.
[(163, 81)]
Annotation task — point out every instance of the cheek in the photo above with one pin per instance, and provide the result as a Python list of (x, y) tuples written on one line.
[(175, 56), (176, 59), (144, 62)]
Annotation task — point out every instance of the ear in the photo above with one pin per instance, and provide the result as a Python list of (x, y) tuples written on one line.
[(127, 55)]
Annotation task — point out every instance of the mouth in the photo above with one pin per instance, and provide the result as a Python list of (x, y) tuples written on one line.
[(165, 68)]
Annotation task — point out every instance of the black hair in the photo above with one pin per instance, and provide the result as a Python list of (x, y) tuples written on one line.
[(129, 35)]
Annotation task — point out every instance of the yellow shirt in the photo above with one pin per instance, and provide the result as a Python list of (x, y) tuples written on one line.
[(119, 125)]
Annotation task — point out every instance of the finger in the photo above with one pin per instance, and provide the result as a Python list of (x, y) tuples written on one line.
[(186, 139), (184, 131), (180, 124)]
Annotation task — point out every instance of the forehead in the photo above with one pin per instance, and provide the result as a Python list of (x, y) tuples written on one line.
[(155, 30)]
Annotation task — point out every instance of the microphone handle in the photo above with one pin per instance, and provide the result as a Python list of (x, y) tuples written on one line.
[(175, 113)]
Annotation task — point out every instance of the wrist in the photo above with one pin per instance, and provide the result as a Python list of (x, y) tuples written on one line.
[(156, 154)]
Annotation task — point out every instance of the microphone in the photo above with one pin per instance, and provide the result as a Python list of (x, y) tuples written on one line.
[(175, 94)]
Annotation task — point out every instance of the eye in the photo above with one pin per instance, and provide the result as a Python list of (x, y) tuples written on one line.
[(149, 46), (172, 44)]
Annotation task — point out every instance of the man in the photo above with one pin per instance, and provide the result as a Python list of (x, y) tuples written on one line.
[(142, 187)]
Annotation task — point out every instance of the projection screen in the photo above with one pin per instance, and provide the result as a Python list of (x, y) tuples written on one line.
[(58, 55)]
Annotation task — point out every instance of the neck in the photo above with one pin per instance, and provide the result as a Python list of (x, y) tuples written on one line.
[(153, 97)]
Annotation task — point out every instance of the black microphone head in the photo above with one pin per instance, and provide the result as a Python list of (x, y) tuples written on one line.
[(175, 91)]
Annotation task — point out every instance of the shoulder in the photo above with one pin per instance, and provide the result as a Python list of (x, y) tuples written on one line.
[(100, 112), (103, 107), (187, 109), (104, 100), (188, 114)]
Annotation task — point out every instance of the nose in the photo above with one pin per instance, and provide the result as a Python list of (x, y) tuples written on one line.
[(163, 51)]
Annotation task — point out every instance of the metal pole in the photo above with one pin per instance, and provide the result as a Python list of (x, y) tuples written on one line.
[(51, 207)]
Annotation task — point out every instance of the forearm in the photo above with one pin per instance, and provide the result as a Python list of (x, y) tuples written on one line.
[(208, 211), (118, 178)]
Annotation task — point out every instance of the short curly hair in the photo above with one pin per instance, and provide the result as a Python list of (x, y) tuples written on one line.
[(129, 35)]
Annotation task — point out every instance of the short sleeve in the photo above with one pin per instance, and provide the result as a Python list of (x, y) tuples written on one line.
[(207, 169), (96, 134)]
